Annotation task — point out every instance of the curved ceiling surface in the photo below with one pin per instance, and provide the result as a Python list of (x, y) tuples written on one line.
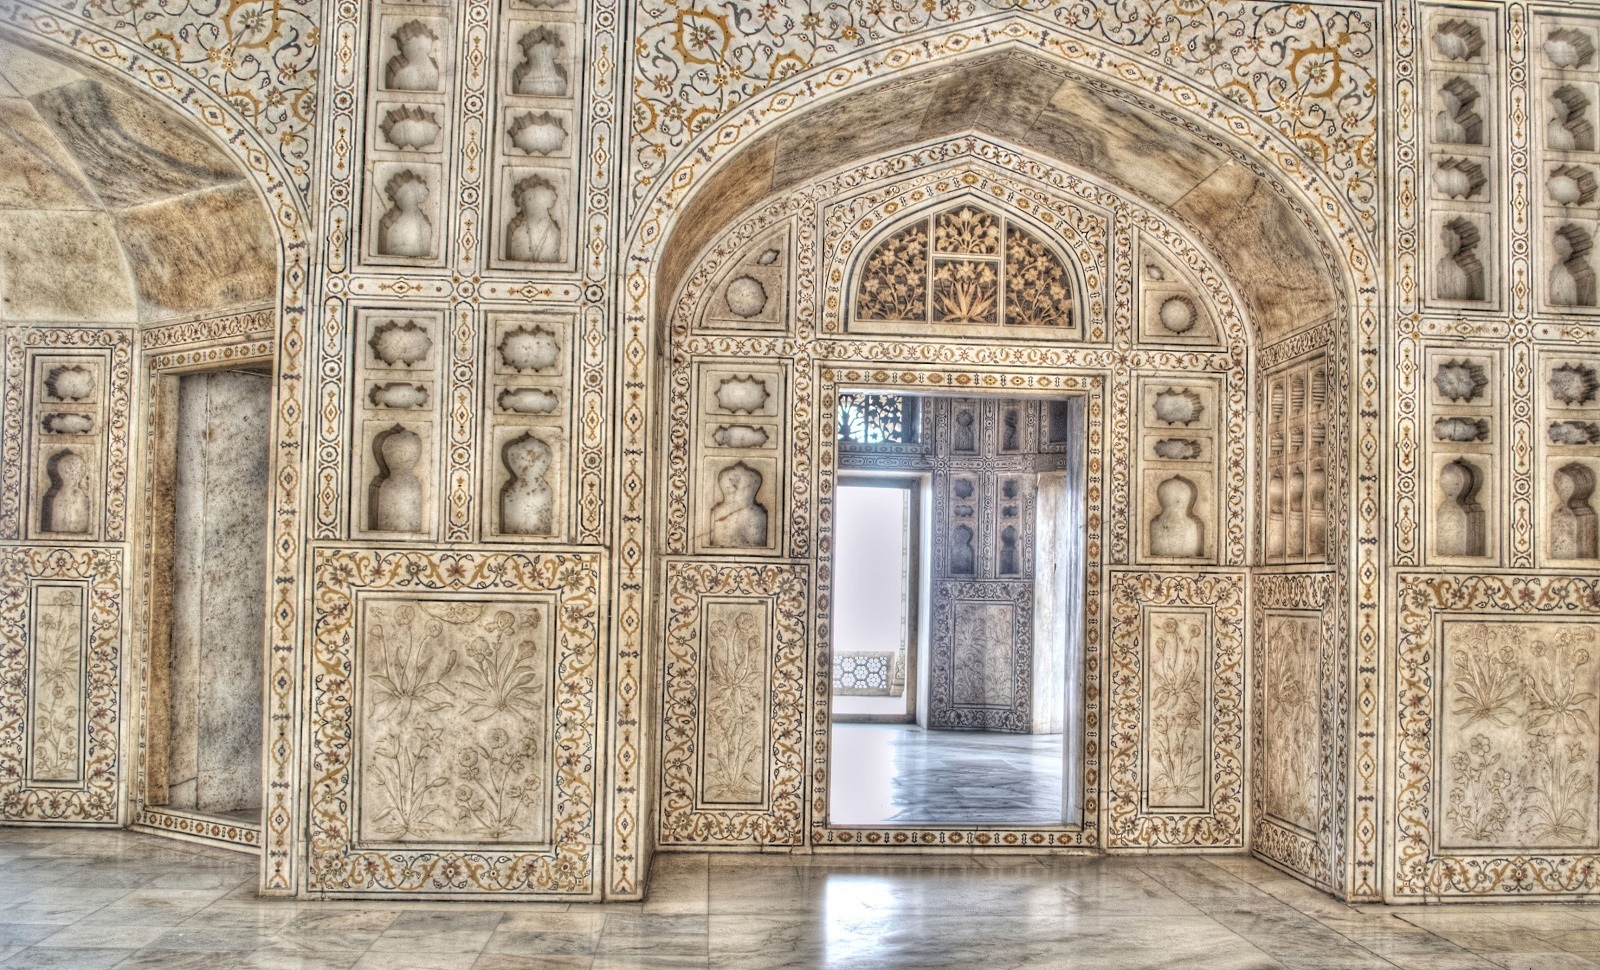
[(1025, 100), (114, 208)]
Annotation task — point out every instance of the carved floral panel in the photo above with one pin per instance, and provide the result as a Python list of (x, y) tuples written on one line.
[(454, 702), (60, 684), (733, 757), (1498, 716), (1177, 653)]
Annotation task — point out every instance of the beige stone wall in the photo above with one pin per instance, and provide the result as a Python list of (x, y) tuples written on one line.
[(504, 239)]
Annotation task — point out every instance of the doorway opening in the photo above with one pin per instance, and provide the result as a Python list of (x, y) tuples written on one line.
[(957, 612), (208, 529)]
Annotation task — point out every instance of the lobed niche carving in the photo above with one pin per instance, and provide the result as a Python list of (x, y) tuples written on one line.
[(1461, 429), (1459, 271), (1458, 40), (400, 343), (415, 67), (1574, 384), (70, 383), (533, 234), (768, 257), (410, 127), (528, 400), (962, 560), (1178, 314), (745, 296), (540, 73), (1567, 48), (962, 488), (1459, 528), (398, 395), (1570, 128), (1460, 380), (527, 502), (1008, 551), (962, 511), (964, 437), (742, 395), (406, 230), (1459, 178), (1456, 123), (1571, 185), (1573, 524), (740, 436), (529, 349), (738, 520), (1574, 433), (1010, 435), (1178, 406), (66, 504), (537, 134), (67, 423), (1177, 449), (1572, 281), (1009, 488), (1176, 532), (396, 490)]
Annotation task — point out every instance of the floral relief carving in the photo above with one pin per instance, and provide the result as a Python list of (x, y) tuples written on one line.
[(57, 683), (1496, 792), (1177, 709), (1292, 737), (894, 283), (475, 723), (732, 754), (1521, 735)]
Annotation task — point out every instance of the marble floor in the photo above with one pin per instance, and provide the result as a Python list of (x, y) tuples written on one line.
[(899, 774), (117, 899)]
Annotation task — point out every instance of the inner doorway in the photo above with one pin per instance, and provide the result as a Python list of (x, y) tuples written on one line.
[(957, 612)]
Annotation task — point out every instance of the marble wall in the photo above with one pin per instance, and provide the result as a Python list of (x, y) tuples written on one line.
[(560, 298)]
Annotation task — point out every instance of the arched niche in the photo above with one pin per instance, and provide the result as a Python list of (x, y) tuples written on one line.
[(753, 396), (139, 262)]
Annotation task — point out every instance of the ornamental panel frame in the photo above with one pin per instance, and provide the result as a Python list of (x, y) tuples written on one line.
[(95, 796), (566, 867), (1421, 866)]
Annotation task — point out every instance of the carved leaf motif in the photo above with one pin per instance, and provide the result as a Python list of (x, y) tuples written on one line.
[(967, 231), (965, 292), (1038, 287)]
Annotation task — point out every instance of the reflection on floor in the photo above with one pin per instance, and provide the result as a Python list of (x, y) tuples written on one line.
[(94, 899), (902, 775)]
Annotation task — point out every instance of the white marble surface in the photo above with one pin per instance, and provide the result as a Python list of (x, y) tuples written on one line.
[(117, 899)]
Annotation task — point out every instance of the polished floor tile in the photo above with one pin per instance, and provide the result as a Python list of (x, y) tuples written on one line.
[(756, 912), (900, 774)]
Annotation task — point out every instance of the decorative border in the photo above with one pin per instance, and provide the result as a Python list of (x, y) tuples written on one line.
[(338, 865), (256, 324), (683, 820), (224, 834), (1286, 845), (1420, 868), (1128, 823), (96, 798)]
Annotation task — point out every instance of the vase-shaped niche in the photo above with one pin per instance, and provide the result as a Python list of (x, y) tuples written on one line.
[(1296, 525), (1010, 438), (1574, 528), (738, 520), (1275, 511), (962, 560), (1176, 532), (540, 72), (527, 502), (1572, 281), (1459, 528), (1008, 552), (406, 230), (396, 493), (964, 437), (416, 67), (1317, 511), (1458, 271), (533, 235), (66, 504)]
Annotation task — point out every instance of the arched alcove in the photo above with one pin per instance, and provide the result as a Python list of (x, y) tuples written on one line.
[(139, 283)]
